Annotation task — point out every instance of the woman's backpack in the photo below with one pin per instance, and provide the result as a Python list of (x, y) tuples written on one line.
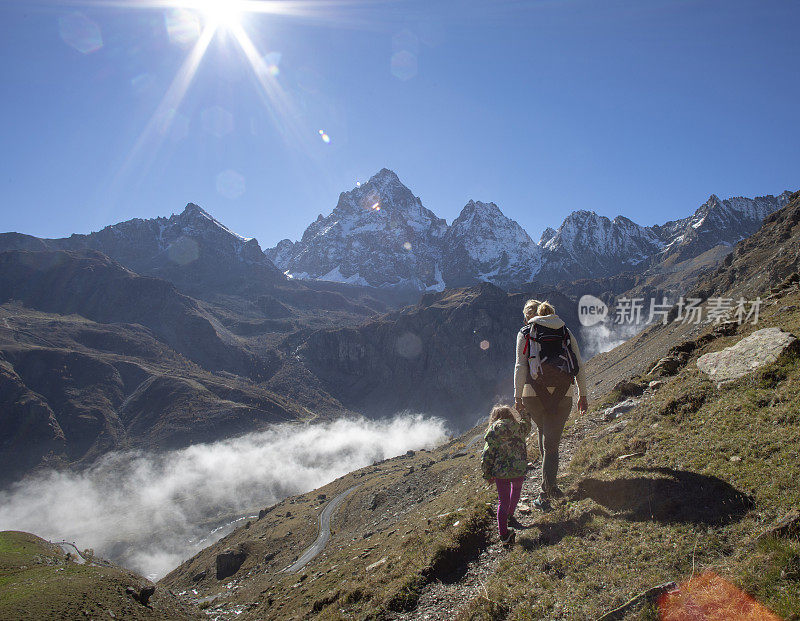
[(551, 362)]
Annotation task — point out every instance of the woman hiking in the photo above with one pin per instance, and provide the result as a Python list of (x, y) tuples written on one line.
[(548, 367), (504, 460)]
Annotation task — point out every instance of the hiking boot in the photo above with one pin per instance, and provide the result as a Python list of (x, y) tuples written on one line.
[(555, 492), (512, 521), (542, 503), (509, 539)]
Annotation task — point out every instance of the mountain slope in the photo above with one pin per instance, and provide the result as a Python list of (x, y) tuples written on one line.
[(43, 581), (446, 356), (95, 287), (72, 389), (191, 249)]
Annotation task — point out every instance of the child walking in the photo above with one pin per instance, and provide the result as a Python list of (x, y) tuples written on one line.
[(504, 461)]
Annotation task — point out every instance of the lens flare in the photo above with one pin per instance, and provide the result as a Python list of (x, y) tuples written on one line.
[(325, 138), (183, 26), (273, 61), (80, 32)]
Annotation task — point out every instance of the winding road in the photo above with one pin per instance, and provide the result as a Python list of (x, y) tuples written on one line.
[(325, 523), (472, 441), (324, 531), (66, 545)]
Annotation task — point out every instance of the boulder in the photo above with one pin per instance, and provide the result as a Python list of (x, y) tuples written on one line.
[(142, 595), (666, 366), (760, 348), (229, 562), (628, 388), (614, 411)]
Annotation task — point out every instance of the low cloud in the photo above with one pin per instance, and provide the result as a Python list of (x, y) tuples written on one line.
[(605, 336), (152, 511)]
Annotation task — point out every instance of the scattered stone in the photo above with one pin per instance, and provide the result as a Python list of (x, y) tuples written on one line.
[(288, 514), (368, 534), (229, 562), (760, 348), (615, 411), (261, 514), (200, 576), (524, 509), (615, 428), (630, 455), (628, 388), (321, 496), (378, 498), (377, 564), (142, 595), (655, 384), (666, 366), (269, 556), (409, 470), (410, 453), (735, 458), (726, 328)]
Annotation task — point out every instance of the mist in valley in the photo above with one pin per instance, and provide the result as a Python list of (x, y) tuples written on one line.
[(606, 336), (150, 511)]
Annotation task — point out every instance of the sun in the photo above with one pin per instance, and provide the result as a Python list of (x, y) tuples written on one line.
[(219, 13)]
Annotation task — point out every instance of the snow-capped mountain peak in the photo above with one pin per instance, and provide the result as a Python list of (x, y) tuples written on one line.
[(483, 244), (380, 234)]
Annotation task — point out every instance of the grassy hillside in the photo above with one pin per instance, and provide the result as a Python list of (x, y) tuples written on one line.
[(39, 581), (712, 469)]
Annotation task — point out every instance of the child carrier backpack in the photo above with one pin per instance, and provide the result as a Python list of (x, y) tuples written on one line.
[(551, 362)]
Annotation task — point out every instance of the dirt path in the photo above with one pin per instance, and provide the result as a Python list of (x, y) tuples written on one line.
[(441, 601), (324, 531)]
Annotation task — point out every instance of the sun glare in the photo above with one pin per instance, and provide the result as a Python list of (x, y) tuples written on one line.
[(219, 13)]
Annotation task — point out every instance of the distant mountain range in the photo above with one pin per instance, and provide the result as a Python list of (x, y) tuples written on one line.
[(379, 234)]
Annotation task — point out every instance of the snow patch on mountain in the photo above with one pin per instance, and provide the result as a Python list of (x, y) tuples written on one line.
[(381, 235)]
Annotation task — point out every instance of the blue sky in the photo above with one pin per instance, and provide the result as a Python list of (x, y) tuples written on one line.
[(641, 108)]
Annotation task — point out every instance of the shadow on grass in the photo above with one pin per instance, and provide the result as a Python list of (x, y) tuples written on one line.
[(553, 532), (675, 496)]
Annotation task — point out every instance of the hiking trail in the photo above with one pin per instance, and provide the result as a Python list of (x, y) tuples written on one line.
[(440, 601)]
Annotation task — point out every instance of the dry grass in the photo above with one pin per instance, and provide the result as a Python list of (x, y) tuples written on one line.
[(719, 466)]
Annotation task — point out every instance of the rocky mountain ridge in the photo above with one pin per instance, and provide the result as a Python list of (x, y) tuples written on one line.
[(380, 235), (192, 250)]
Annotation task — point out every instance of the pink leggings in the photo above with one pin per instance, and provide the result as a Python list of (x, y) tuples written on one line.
[(508, 491)]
